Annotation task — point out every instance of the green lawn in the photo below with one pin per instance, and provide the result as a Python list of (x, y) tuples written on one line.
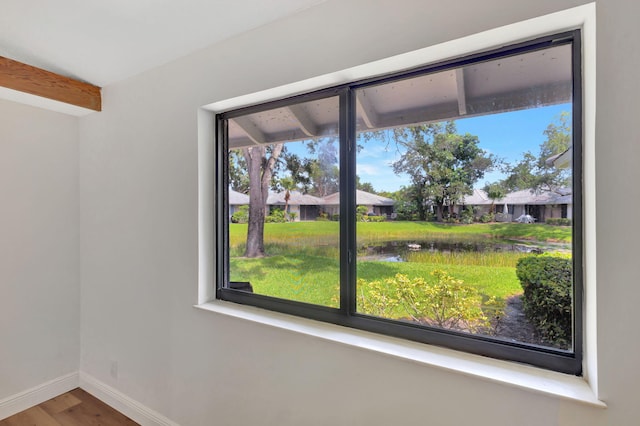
[(302, 258), (304, 278), (315, 279), (292, 233)]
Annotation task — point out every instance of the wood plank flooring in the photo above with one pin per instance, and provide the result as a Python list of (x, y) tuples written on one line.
[(74, 408)]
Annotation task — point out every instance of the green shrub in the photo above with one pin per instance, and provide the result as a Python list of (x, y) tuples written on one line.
[(376, 218), (547, 299), (335, 217), (322, 217), (405, 210), (275, 216), (361, 214), (558, 221), (446, 303), (466, 216), (241, 215), (494, 310), (487, 217)]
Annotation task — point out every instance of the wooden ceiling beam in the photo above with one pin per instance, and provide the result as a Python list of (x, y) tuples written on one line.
[(28, 79)]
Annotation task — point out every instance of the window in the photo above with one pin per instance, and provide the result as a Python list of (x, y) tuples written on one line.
[(441, 204)]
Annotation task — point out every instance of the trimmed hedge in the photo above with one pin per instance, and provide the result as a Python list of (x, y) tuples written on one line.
[(547, 284)]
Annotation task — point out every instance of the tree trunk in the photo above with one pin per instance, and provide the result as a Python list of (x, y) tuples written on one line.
[(260, 169), (287, 197), (257, 203), (422, 212), (439, 212)]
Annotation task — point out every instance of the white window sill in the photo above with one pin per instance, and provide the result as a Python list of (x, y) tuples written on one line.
[(508, 373)]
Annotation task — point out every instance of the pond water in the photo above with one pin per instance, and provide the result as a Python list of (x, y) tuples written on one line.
[(396, 251)]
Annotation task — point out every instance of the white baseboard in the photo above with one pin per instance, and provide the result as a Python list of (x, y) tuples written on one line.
[(38, 394), (121, 402)]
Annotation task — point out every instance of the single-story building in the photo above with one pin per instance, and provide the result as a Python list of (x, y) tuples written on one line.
[(304, 206), (542, 205), (237, 199), (376, 204)]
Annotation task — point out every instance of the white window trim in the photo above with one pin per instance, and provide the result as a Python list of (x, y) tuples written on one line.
[(582, 389)]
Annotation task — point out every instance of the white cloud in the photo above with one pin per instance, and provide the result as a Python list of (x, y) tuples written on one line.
[(369, 170), (374, 149)]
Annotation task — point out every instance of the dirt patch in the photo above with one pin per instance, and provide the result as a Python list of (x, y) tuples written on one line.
[(514, 326)]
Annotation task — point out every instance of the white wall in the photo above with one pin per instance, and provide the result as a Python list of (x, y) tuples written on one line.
[(39, 260), (139, 237)]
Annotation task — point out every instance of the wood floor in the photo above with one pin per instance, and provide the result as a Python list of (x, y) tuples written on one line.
[(74, 408)]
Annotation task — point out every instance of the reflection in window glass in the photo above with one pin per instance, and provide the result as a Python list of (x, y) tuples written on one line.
[(464, 200), (283, 202)]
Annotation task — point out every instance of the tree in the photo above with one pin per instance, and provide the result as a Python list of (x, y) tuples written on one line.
[(288, 185), (495, 191), (262, 164), (261, 161), (405, 205), (317, 176), (364, 186), (443, 165), (537, 172), (558, 135), (238, 178)]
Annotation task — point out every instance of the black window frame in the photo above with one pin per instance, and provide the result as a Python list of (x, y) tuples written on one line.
[(566, 361)]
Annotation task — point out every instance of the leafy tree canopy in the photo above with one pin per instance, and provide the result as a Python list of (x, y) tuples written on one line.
[(537, 172), (442, 164), (364, 186)]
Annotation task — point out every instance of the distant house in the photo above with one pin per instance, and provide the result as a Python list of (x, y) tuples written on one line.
[(376, 204), (305, 206), (236, 199), (541, 205)]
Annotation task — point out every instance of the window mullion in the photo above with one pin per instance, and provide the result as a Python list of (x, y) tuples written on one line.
[(347, 201), (577, 209), (221, 204)]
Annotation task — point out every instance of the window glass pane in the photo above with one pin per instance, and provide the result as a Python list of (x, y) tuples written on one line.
[(465, 199), (283, 203)]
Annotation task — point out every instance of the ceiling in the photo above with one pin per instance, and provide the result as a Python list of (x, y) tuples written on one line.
[(102, 42), (524, 81)]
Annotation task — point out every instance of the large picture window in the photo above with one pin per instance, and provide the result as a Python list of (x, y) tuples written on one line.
[(440, 204)]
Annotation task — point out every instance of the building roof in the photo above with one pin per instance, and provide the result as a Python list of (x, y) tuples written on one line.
[(525, 196), (363, 198), (479, 197), (295, 198), (237, 198)]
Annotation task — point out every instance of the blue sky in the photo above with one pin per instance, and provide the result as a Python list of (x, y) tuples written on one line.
[(507, 135)]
